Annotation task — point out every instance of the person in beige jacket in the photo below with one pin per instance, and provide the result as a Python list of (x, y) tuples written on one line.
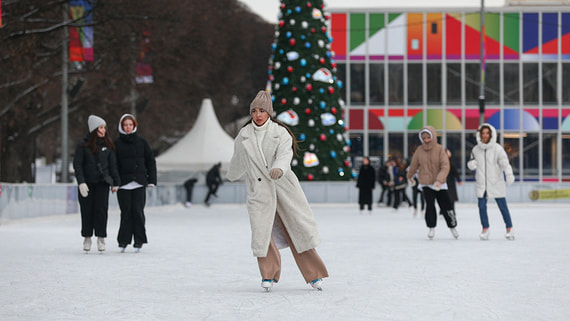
[(279, 213), (432, 166)]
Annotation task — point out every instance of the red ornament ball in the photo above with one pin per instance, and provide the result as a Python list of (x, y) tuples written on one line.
[(290, 69), (310, 177), (292, 41), (331, 90), (308, 111), (323, 137), (346, 163), (281, 23), (294, 89), (309, 5), (282, 6), (333, 110), (322, 61), (333, 64), (313, 30), (324, 29), (309, 87), (283, 101)]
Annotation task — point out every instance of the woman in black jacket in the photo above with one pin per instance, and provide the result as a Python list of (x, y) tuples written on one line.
[(137, 168), (95, 166), (365, 184)]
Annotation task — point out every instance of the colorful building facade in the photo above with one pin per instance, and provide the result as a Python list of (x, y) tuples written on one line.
[(402, 70)]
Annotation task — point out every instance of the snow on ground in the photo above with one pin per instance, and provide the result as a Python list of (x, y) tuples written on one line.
[(198, 266)]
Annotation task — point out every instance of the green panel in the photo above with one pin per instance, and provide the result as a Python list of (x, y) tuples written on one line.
[(473, 20), (493, 26), (435, 119), (357, 30), (511, 31), (393, 16), (377, 23)]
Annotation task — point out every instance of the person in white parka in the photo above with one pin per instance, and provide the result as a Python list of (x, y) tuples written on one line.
[(279, 212), (490, 161)]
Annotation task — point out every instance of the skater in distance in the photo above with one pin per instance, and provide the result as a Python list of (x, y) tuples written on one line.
[(279, 213)]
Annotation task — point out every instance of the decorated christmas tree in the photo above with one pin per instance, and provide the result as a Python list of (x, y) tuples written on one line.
[(305, 91)]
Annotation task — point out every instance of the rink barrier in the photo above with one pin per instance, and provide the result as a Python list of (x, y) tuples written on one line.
[(32, 200)]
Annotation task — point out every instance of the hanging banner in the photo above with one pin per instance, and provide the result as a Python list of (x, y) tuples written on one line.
[(81, 38), (143, 68)]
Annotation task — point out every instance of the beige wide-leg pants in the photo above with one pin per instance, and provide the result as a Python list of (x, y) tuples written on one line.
[(309, 262)]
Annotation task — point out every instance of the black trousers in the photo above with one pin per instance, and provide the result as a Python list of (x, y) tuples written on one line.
[(131, 203), (212, 189), (94, 210), (189, 189), (442, 197), (415, 192)]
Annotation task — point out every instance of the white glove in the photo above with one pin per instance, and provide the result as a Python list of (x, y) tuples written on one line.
[(472, 164), (510, 179), (83, 189), (276, 173), (437, 186)]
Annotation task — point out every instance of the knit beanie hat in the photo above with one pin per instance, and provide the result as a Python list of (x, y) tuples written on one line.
[(263, 101), (94, 122)]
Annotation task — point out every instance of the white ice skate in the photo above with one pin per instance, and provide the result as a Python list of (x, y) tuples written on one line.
[(454, 232), (510, 235), (87, 244), (101, 244), (317, 284), (484, 236), (431, 233), (267, 284)]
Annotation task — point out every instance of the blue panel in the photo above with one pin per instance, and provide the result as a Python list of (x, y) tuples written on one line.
[(530, 31), (549, 27)]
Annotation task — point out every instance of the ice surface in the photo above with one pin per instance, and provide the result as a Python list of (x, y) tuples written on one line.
[(198, 266)]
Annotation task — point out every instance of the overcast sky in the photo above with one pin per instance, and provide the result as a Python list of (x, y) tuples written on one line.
[(268, 9)]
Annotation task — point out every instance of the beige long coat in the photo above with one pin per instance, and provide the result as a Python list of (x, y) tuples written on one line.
[(266, 196)]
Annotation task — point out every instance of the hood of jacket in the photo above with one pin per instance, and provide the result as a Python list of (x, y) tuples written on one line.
[(431, 131), (121, 127), (493, 139)]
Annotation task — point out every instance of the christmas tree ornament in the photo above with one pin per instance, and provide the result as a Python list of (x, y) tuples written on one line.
[(310, 160), (289, 118), (294, 162), (323, 75), (310, 177), (285, 81), (312, 147), (317, 14), (296, 101), (328, 119), (304, 24), (323, 137), (325, 170), (311, 123), (333, 154)]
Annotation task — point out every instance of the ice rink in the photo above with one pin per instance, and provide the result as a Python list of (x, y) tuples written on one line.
[(198, 266)]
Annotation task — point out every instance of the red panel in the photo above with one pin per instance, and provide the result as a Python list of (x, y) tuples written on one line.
[(338, 32), (356, 119), (453, 37), (374, 119)]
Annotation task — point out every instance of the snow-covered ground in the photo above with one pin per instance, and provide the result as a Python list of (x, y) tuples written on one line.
[(198, 266)]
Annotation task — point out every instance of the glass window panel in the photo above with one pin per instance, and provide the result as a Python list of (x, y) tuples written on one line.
[(511, 86), (413, 143), (549, 151), (454, 146), (566, 155), (396, 145), (472, 76), (470, 142), (357, 84), (376, 144), (395, 84), (415, 84), (492, 83), (434, 84), (453, 83), (376, 83), (341, 75), (530, 155), (511, 145), (549, 76), (566, 83), (356, 143), (530, 83)]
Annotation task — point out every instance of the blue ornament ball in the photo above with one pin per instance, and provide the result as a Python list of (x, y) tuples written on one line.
[(302, 137), (339, 83), (323, 105), (307, 45), (331, 131), (288, 34), (333, 154), (285, 81), (297, 9)]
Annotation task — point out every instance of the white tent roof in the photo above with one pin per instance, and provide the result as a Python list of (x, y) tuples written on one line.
[(203, 146)]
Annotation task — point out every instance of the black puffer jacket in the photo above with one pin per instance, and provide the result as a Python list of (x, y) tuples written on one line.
[(135, 160), (85, 163)]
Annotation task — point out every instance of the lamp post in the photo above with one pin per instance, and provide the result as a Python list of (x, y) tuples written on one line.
[(482, 63)]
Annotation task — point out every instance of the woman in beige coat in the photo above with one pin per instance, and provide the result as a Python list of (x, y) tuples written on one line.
[(279, 213)]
